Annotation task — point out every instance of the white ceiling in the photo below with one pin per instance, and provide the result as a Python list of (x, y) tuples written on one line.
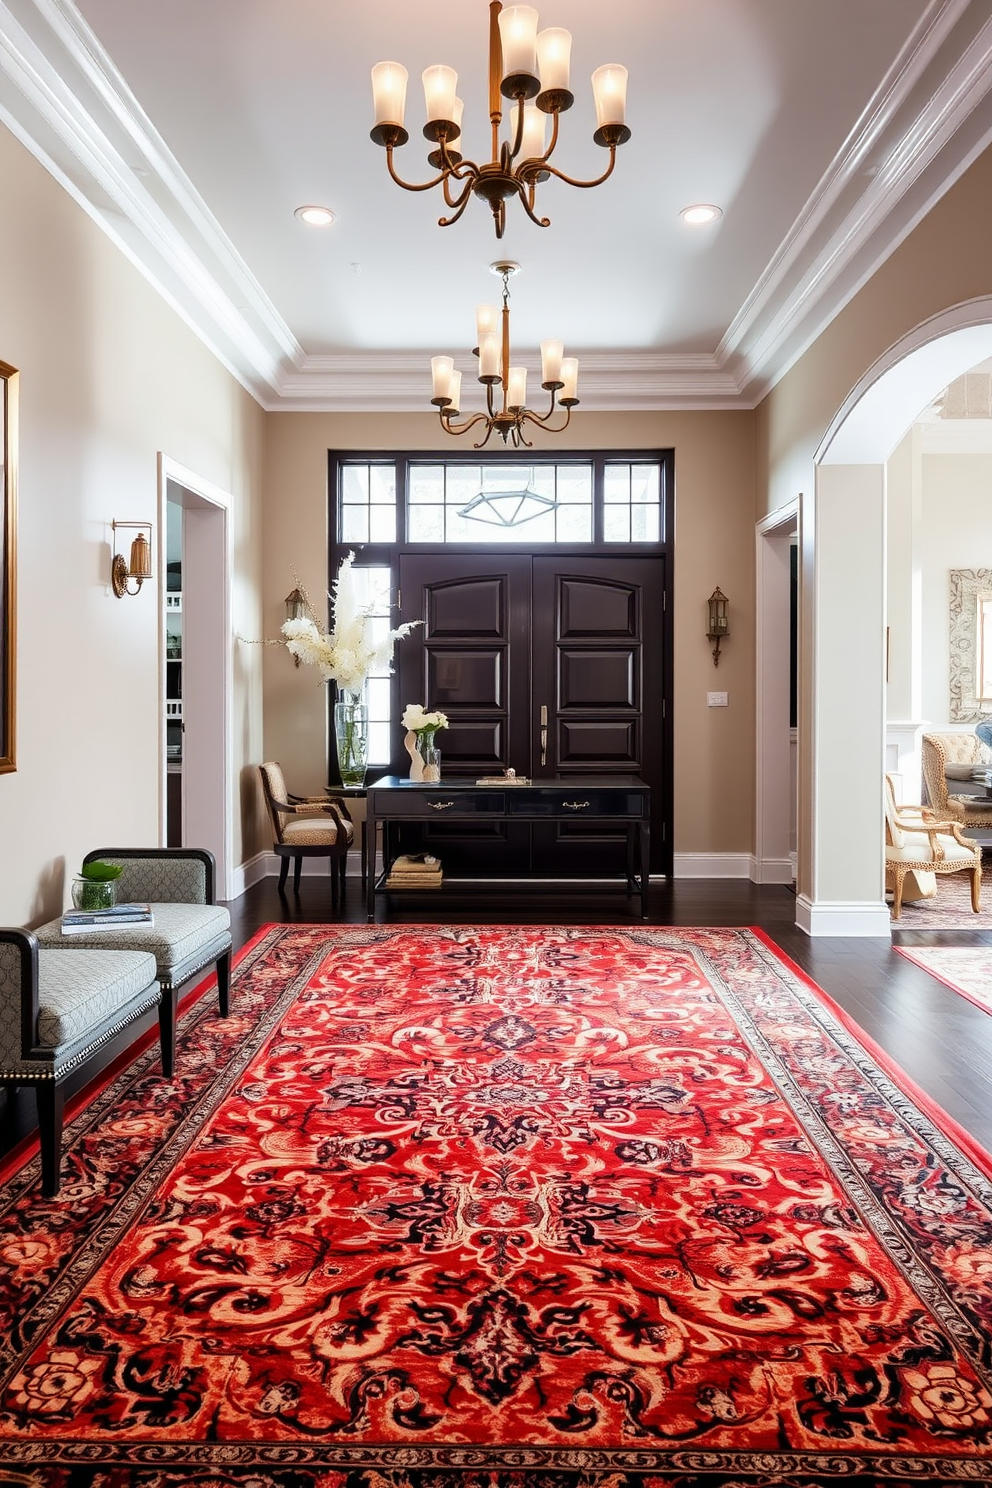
[(192, 129)]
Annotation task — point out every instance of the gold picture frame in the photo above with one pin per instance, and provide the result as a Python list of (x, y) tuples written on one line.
[(8, 567)]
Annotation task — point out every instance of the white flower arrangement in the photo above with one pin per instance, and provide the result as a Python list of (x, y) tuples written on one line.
[(346, 654), (420, 722)]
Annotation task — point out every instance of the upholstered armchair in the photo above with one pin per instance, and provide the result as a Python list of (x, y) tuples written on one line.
[(190, 932), (57, 1011), (307, 826), (917, 842), (950, 757)]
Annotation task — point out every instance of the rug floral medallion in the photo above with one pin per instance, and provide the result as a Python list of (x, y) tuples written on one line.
[(502, 1207)]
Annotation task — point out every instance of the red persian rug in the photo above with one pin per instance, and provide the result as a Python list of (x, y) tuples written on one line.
[(965, 969), (493, 1207)]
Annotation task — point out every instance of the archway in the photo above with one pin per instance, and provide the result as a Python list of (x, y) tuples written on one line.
[(842, 688)]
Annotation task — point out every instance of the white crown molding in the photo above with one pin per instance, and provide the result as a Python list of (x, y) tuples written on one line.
[(834, 247), (61, 95), (611, 381)]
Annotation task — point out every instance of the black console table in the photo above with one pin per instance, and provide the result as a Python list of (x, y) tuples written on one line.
[(604, 800)]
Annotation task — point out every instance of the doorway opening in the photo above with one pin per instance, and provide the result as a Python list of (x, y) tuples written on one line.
[(776, 786), (196, 778)]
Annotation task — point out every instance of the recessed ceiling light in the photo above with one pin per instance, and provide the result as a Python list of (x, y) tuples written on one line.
[(316, 216), (700, 213)]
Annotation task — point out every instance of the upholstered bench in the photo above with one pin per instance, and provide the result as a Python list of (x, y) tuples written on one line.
[(190, 931), (57, 1011)]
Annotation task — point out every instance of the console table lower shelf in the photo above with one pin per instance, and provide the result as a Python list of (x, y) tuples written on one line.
[(618, 801)]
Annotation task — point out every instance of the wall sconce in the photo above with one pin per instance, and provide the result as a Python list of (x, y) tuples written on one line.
[(296, 609), (717, 631), (138, 566)]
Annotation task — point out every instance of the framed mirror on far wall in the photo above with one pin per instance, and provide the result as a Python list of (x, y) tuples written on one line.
[(8, 565)]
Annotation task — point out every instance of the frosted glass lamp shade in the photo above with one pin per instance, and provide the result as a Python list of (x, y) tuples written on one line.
[(440, 86), (389, 92), (609, 86), (516, 391)]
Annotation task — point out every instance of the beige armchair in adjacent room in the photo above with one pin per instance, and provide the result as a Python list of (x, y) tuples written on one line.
[(951, 757), (919, 843)]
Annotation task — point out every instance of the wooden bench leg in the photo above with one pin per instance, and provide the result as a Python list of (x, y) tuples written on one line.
[(224, 983), (167, 1029), (50, 1110)]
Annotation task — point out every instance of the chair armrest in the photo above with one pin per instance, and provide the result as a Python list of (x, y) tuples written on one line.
[(174, 875), (323, 800), (22, 961)]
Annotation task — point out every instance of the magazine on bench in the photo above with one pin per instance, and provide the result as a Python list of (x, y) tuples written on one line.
[(117, 916)]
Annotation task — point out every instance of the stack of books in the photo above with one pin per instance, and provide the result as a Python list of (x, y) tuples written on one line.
[(415, 871), (117, 917)]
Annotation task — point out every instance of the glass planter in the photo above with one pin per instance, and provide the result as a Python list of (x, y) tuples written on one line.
[(351, 738), (431, 756), (93, 893)]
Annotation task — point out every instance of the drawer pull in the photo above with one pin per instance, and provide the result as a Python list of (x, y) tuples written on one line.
[(575, 805), (440, 805)]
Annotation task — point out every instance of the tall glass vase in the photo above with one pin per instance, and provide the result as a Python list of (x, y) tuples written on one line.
[(351, 738)]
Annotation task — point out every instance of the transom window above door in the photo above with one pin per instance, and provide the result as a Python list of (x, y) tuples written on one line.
[(585, 499)]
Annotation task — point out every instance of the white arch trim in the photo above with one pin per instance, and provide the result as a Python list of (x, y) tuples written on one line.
[(840, 889), (905, 379)]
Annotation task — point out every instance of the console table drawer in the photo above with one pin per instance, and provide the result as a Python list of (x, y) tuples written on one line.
[(577, 802), (427, 805)]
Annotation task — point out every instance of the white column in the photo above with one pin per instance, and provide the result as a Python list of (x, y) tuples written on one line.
[(841, 889)]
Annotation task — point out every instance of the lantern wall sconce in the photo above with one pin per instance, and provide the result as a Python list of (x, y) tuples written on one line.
[(138, 566), (296, 609), (717, 631)]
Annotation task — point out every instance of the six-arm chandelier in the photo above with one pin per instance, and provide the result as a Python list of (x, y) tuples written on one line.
[(504, 416), (523, 65)]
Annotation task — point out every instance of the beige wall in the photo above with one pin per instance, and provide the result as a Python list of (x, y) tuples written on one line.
[(109, 377), (714, 464)]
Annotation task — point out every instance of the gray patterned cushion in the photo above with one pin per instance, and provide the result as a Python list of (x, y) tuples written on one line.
[(162, 880), (82, 999), (183, 934)]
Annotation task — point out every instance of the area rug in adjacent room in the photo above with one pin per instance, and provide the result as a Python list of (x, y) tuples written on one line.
[(965, 969), (950, 908), (504, 1208)]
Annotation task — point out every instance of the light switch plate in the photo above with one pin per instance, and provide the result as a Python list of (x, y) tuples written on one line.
[(716, 700)]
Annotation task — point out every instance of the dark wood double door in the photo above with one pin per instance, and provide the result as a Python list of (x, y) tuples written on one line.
[(554, 666)]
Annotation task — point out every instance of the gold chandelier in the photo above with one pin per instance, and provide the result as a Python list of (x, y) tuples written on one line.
[(507, 416), (523, 65)]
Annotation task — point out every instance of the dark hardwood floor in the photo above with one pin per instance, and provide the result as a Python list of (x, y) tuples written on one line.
[(941, 1040)]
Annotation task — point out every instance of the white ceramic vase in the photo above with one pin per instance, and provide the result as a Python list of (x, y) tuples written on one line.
[(416, 762)]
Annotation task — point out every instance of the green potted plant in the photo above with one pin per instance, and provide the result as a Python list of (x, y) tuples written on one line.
[(93, 886)]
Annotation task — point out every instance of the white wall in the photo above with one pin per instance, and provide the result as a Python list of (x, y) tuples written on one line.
[(956, 533), (109, 377)]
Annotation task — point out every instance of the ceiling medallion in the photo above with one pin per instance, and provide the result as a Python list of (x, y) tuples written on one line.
[(523, 65), (507, 416)]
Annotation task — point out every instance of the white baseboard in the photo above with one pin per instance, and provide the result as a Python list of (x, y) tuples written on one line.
[(312, 867), (837, 917), (248, 873), (772, 870), (711, 865)]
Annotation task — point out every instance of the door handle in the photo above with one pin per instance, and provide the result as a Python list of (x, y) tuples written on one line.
[(544, 734)]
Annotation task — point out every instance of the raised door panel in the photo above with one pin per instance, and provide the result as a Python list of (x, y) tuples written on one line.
[(598, 670)]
